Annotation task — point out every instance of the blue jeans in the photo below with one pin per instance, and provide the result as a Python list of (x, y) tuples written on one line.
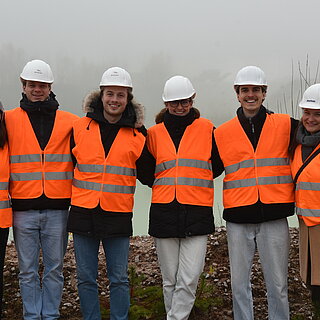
[(272, 240), (4, 233), (116, 251), (46, 230)]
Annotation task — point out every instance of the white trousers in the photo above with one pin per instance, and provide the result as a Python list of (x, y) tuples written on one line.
[(272, 240), (181, 262)]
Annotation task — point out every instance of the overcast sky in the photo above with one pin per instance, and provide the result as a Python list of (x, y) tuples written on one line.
[(207, 41)]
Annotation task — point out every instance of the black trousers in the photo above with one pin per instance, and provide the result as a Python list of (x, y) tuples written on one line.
[(4, 233)]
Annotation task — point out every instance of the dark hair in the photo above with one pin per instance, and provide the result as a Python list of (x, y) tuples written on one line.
[(3, 130), (160, 116), (237, 88), (293, 143), (24, 82)]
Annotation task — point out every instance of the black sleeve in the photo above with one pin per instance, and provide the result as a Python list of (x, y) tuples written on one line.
[(146, 165), (72, 145), (294, 126), (217, 164)]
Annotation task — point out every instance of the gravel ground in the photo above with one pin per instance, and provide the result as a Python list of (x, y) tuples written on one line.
[(143, 258)]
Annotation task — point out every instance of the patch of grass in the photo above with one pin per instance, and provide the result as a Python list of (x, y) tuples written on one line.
[(147, 302)]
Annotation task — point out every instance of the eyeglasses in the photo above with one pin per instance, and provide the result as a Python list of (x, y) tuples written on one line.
[(183, 102)]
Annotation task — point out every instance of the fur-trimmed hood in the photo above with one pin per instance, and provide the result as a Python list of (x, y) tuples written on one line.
[(134, 111)]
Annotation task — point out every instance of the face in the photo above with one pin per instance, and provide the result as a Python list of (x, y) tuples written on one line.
[(37, 91), (114, 101), (179, 107), (311, 120), (250, 98)]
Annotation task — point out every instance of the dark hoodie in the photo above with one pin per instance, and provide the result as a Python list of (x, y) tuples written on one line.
[(96, 222), (42, 116)]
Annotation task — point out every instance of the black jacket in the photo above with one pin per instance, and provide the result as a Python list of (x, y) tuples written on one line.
[(258, 212), (42, 116), (176, 220), (96, 222)]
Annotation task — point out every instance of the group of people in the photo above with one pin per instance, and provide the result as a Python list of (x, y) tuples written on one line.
[(61, 173)]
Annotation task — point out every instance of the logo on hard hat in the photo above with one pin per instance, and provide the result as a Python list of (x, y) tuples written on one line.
[(38, 71), (311, 100)]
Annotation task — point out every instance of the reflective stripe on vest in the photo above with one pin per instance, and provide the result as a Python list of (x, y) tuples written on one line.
[(98, 168), (259, 163), (181, 181), (5, 204), (33, 171), (313, 186), (105, 187), (253, 182), (37, 158), (4, 185), (186, 173), (308, 212), (256, 174), (193, 163), (28, 176), (108, 181), (307, 188)]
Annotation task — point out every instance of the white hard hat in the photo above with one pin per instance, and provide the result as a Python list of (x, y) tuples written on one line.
[(116, 76), (176, 88), (250, 75), (37, 70), (311, 97)]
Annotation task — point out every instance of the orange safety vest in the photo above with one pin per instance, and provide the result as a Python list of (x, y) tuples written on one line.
[(110, 180), (5, 206), (307, 188), (185, 174), (34, 171), (251, 174)]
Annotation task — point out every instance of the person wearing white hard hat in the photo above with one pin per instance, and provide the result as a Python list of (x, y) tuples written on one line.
[(108, 149), (305, 164), (181, 214), (41, 171), (257, 194), (5, 206)]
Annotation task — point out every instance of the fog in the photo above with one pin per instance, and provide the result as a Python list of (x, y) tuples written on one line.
[(207, 41)]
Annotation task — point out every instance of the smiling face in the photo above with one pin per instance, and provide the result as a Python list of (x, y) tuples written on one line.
[(311, 120), (114, 100), (36, 91), (179, 107), (251, 98)]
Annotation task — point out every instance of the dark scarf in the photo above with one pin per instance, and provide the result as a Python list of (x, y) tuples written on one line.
[(176, 125), (42, 116), (307, 140), (173, 121), (48, 106)]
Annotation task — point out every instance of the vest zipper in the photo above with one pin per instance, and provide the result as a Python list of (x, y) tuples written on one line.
[(42, 167), (254, 152), (102, 179)]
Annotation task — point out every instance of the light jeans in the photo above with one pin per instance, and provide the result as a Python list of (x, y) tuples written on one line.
[(46, 230), (181, 262), (272, 240), (116, 250)]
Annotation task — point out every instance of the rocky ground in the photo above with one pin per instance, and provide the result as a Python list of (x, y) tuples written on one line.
[(143, 257)]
